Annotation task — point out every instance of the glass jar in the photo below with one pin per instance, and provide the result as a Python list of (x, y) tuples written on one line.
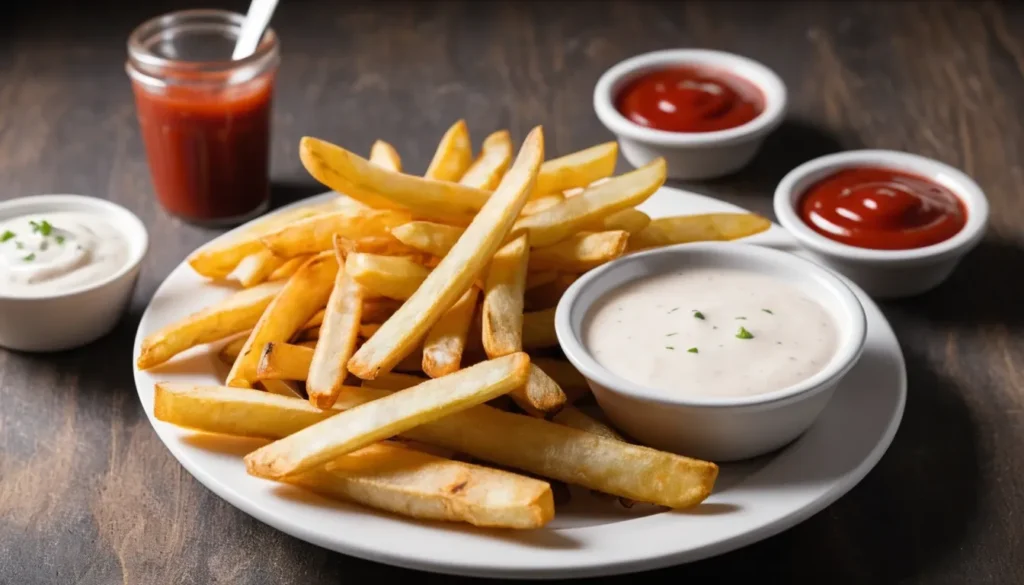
[(204, 118)]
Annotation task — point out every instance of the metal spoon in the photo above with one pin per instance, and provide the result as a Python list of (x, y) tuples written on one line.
[(256, 21)]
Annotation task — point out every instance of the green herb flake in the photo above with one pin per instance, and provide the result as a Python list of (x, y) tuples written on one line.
[(45, 228), (698, 315), (7, 235), (768, 311), (673, 310), (60, 240), (29, 258), (741, 318), (670, 347), (19, 245), (693, 350), (744, 334), (671, 334)]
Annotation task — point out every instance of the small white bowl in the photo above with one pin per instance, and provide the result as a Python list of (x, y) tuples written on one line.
[(713, 428), (691, 155), (885, 273), (59, 321)]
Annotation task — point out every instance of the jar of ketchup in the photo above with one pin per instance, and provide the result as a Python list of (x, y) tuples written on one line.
[(204, 118)]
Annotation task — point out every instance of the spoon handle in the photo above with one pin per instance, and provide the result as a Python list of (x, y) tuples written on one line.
[(256, 22)]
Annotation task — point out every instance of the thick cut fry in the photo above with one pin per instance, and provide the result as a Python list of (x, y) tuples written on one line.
[(394, 381), (573, 417), (385, 156), (547, 296), (388, 416), (543, 202), (348, 173), (338, 336), (281, 388), (316, 234), (531, 444), (502, 315), (379, 310), (229, 353), (303, 295), (453, 156), (446, 341), (431, 238), (628, 220), (568, 378), (386, 245), (395, 277), (235, 314), (256, 268), (581, 252), (290, 267), (457, 271), (563, 220), (539, 329), (495, 156), (368, 329), (540, 278), (666, 231), (284, 361), (540, 396), (578, 169), (404, 481)]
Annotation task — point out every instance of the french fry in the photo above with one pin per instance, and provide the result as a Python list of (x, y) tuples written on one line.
[(229, 353), (578, 169), (256, 268), (628, 220), (573, 417), (303, 295), (388, 416), (568, 378), (290, 267), (235, 314), (348, 173), (428, 237), (390, 477), (580, 252), (316, 234), (284, 361), (378, 311), (540, 278), (543, 202), (281, 388), (368, 329), (495, 156), (666, 231), (395, 277), (547, 295), (394, 381), (539, 329), (457, 270), (453, 156), (446, 340), (530, 444), (385, 245), (566, 218), (540, 396), (502, 314), (338, 336), (385, 156)]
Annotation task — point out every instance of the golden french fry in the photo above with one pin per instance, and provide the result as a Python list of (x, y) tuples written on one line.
[(566, 218), (385, 156), (540, 278), (581, 252), (453, 156), (379, 310), (568, 378), (290, 267), (235, 314), (368, 329), (578, 169), (457, 270), (303, 295), (338, 336), (573, 417), (531, 444), (502, 315), (547, 295), (284, 361), (256, 268), (229, 353), (395, 277), (388, 476), (446, 340), (539, 329), (543, 202), (316, 234), (281, 388), (388, 416), (666, 231), (348, 173), (428, 237), (394, 381), (628, 220), (386, 245), (495, 156), (540, 396)]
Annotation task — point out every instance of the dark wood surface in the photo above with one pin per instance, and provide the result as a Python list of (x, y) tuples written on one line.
[(89, 495)]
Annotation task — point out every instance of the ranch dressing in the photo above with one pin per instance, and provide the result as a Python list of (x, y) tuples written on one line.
[(709, 332), (49, 253)]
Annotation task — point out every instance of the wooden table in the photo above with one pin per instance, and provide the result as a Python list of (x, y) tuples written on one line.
[(89, 495)]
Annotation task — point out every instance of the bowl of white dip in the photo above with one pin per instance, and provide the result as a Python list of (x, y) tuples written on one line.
[(68, 266), (721, 351)]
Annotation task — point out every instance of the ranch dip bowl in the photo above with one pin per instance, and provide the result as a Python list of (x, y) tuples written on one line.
[(720, 351)]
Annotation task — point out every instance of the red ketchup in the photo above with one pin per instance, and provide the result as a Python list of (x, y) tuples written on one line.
[(686, 99), (882, 209)]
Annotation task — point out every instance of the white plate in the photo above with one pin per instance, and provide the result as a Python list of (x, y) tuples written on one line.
[(589, 536)]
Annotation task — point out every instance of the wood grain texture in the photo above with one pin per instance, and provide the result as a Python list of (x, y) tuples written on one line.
[(88, 494)]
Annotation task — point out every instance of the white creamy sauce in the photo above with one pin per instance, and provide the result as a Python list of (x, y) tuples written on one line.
[(55, 252), (681, 332)]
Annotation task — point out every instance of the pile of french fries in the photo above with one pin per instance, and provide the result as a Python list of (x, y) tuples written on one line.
[(396, 346)]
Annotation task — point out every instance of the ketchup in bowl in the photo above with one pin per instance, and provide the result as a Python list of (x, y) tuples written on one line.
[(882, 209), (689, 99)]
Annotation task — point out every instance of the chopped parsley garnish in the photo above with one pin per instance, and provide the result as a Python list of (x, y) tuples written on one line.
[(19, 245), (671, 334), (7, 235), (42, 227), (692, 350), (698, 315), (669, 347), (741, 318), (768, 311), (60, 240), (29, 258), (673, 310), (744, 334)]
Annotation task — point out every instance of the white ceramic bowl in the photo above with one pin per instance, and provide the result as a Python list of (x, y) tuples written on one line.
[(714, 428), (697, 155), (54, 322), (885, 273)]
